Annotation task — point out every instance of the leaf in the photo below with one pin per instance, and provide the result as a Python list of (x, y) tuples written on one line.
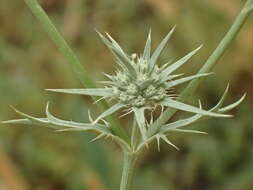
[(122, 56), (163, 137), (118, 53), (109, 45), (71, 124), (159, 49), (184, 107), (30, 120), (25, 121), (222, 99), (188, 131), (147, 49), (109, 111), (158, 142), (232, 106), (185, 79), (170, 77), (140, 119), (180, 123), (180, 62), (88, 91)]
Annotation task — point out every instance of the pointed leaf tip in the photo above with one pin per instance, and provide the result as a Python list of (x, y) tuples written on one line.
[(147, 49), (185, 79), (188, 108), (87, 91), (233, 105), (109, 111), (159, 49), (169, 142), (171, 68)]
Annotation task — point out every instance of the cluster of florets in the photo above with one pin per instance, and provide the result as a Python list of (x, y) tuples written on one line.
[(143, 88)]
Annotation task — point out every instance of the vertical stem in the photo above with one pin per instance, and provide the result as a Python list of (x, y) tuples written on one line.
[(60, 42), (134, 137), (128, 170), (209, 64), (78, 68)]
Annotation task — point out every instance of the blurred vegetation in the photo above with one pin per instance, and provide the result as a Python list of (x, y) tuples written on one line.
[(39, 159)]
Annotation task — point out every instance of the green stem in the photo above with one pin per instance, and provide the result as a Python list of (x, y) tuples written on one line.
[(134, 135), (128, 170), (77, 67), (209, 64)]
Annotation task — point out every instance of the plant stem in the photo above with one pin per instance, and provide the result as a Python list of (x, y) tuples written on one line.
[(134, 136), (77, 67), (209, 64), (128, 170)]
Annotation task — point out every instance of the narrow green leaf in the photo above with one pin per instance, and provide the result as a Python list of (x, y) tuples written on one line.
[(159, 49), (71, 124), (165, 65), (26, 121), (109, 111), (31, 118), (88, 91), (185, 107), (180, 123), (147, 49), (158, 142), (81, 73), (120, 55), (180, 62), (140, 119), (188, 131), (109, 45), (232, 106), (171, 77), (185, 79), (221, 101), (59, 41), (163, 137)]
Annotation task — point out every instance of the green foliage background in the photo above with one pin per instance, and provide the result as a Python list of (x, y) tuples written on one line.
[(39, 159)]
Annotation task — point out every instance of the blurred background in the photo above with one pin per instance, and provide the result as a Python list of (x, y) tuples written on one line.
[(39, 159)]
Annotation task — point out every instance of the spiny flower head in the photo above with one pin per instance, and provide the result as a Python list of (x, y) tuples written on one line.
[(139, 84), (144, 87)]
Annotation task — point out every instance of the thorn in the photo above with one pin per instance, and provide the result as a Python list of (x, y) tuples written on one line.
[(105, 122), (190, 131), (98, 137), (200, 105), (90, 118), (126, 113), (169, 142), (95, 122), (158, 142), (47, 108), (96, 101)]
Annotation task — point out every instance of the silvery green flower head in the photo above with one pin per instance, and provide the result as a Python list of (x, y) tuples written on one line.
[(139, 84)]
